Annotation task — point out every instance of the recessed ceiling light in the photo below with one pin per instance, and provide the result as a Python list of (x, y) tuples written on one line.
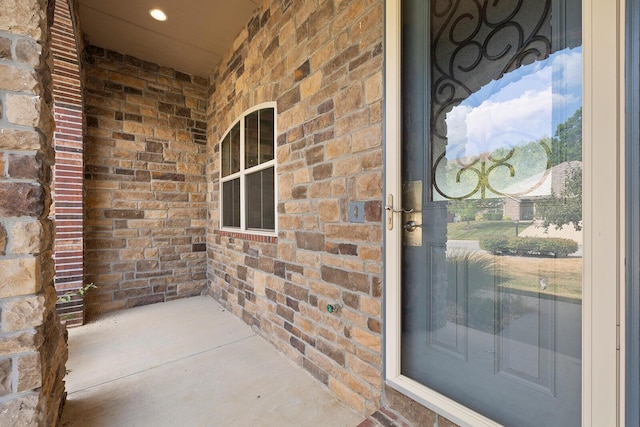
[(158, 15)]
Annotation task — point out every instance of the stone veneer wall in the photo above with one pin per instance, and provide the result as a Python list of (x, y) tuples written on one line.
[(322, 61), (33, 350), (68, 172), (145, 157)]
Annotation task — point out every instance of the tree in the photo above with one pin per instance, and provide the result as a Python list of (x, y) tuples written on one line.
[(468, 209), (527, 160), (567, 141), (465, 209), (566, 207)]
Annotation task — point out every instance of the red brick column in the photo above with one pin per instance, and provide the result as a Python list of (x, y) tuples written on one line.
[(33, 350), (68, 171)]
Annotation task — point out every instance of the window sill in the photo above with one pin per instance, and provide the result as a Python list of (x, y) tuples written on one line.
[(262, 238)]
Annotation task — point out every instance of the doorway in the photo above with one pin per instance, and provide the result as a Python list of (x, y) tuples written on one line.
[(491, 314)]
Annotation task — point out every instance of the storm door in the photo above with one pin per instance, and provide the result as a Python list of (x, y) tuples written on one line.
[(491, 211)]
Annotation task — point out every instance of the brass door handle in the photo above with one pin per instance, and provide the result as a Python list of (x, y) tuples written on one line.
[(390, 208)]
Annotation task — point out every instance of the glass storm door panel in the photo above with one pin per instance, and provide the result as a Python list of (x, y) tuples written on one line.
[(492, 194)]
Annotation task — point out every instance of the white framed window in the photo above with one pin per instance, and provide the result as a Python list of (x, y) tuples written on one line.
[(248, 172)]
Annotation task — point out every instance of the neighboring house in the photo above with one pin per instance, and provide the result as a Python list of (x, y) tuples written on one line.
[(298, 183), (520, 201)]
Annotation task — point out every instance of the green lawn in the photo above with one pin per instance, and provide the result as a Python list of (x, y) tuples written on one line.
[(477, 230), (482, 272), (563, 275)]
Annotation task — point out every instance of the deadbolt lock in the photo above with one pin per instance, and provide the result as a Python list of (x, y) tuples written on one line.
[(411, 226)]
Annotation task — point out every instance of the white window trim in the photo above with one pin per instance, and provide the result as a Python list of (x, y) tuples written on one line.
[(242, 174), (603, 143)]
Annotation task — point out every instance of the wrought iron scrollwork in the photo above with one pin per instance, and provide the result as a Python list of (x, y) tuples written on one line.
[(473, 43), (483, 166)]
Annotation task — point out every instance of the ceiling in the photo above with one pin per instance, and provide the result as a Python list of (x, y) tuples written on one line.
[(194, 38)]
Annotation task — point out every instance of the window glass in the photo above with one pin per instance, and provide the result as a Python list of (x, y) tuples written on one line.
[(266, 135), (231, 151), (258, 137), (231, 203), (251, 139), (260, 200), (492, 192)]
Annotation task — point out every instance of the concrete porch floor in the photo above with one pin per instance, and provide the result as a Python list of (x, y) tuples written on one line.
[(188, 362)]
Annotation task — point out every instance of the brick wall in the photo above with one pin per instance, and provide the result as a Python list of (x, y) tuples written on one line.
[(32, 345), (322, 62), (145, 203), (68, 170)]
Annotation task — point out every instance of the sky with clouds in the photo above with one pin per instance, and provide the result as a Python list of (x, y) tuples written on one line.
[(524, 105)]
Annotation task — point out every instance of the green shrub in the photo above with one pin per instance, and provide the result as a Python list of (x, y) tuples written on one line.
[(522, 246), (494, 244)]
